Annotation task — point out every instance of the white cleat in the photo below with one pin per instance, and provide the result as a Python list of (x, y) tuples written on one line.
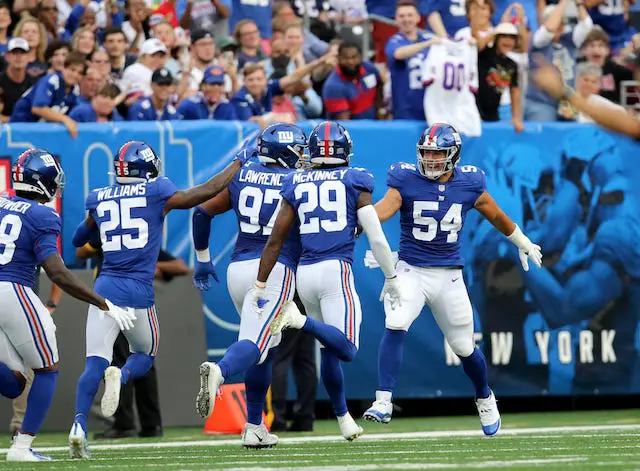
[(210, 380), (348, 427), (489, 415), (25, 455), (257, 436), (289, 317), (78, 444), (380, 411), (111, 396)]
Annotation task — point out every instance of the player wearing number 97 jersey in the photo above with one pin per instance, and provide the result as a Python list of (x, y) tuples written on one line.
[(433, 199), (254, 195), (329, 201), (128, 217), (28, 237)]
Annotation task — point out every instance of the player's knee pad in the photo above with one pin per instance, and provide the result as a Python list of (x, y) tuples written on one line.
[(461, 345), (397, 319)]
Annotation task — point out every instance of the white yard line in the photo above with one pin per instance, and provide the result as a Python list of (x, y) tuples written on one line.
[(373, 437)]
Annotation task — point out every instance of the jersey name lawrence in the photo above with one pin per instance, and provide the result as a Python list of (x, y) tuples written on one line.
[(28, 236), (326, 203), (130, 219), (255, 198), (433, 213)]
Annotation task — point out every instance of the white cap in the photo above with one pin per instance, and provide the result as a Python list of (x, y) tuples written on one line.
[(506, 28), (151, 46), (18, 43)]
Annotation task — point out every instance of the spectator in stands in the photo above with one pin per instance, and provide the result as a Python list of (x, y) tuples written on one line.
[(479, 13), (354, 89), (137, 77), (255, 99), (299, 100), (209, 15), (156, 107), (15, 80), (53, 96), (136, 27), (89, 85), (164, 32), (55, 55), (349, 12), (381, 30), (84, 41), (83, 14), (612, 17), (228, 59), (597, 51), (259, 12), (280, 60), (588, 77), (48, 16), (115, 43), (5, 23), (406, 51), (100, 109), (203, 53), (445, 17), (32, 30), (559, 48), (300, 37), (497, 73), (211, 102), (247, 36), (99, 61)]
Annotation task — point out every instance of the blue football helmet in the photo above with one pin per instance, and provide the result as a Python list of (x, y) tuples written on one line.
[(283, 144), (438, 137), (135, 162), (330, 144), (37, 171)]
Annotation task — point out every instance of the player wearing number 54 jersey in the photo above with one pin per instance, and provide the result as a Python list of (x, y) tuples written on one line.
[(433, 199), (129, 218), (28, 237), (254, 195), (329, 201)]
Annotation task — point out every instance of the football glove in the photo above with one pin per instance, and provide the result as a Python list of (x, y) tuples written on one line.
[(392, 290), (201, 275), (526, 249), (259, 297), (246, 153), (123, 317)]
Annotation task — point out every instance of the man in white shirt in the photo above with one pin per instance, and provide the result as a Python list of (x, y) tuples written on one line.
[(450, 74), (203, 53), (137, 77)]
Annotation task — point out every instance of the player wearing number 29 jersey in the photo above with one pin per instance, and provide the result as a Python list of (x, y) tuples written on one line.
[(129, 218), (328, 203), (254, 195), (433, 198)]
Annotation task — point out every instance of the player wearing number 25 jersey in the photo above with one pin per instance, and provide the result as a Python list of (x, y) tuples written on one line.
[(129, 218), (329, 201), (254, 195), (433, 199), (28, 237)]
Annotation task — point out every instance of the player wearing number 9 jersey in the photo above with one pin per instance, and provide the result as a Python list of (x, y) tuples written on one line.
[(433, 199), (254, 195), (329, 201), (128, 217), (29, 232)]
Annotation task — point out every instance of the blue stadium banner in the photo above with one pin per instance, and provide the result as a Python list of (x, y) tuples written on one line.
[(570, 327)]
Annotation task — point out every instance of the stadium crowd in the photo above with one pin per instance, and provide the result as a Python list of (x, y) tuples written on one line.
[(71, 61)]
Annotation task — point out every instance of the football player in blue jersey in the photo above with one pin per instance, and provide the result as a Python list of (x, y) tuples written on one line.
[(254, 195), (29, 233), (129, 218), (433, 198), (328, 202)]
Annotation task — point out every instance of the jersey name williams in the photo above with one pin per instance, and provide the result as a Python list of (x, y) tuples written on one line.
[(260, 178), (318, 175), (138, 189)]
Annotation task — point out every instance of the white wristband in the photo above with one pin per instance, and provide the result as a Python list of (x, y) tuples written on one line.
[(203, 256), (520, 240)]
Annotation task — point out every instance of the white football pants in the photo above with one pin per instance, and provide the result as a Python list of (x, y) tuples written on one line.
[(444, 291), (27, 331), (328, 293), (281, 287)]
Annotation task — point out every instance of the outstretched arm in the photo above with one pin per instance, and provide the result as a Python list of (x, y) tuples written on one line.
[(368, 219), (488, 207), (70, 284), (388, 205), (271, 252), (185, 199)]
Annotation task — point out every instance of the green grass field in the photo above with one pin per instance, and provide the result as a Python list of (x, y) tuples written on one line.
[(608, 440)]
